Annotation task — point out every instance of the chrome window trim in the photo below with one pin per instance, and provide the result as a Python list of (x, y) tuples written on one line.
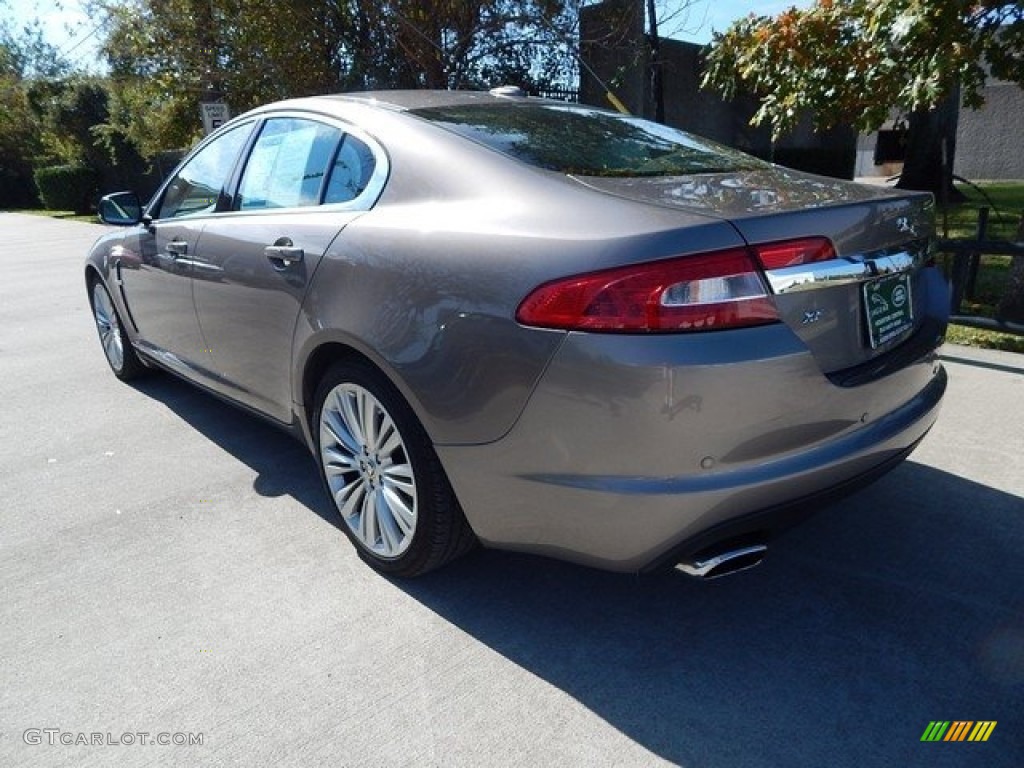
[(363, 202)]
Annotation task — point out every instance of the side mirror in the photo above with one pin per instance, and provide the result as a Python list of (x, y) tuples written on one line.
[(122, 209)]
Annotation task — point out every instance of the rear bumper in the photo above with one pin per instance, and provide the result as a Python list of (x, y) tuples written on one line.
[(765, 523), (633, 450)]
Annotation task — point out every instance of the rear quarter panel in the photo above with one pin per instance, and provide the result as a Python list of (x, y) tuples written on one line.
[(428, 282)]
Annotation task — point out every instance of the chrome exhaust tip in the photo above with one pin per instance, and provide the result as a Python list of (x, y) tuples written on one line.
[(724, 562)]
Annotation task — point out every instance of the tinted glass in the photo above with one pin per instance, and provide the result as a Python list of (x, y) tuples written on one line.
[(288, 163), (352, 170), (197, 187), (588, 142)]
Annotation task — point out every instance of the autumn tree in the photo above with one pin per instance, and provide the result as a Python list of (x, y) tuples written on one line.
[(857, 62)]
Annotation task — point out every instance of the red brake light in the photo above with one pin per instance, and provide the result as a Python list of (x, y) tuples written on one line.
[(690, 293), (790, 253)]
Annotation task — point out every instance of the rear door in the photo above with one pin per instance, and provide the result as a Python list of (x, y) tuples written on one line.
[(304, 180)]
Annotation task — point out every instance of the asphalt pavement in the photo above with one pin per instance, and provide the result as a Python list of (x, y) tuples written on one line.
[(170, 571)]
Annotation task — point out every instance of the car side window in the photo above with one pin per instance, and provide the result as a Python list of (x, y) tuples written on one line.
[(287, 165), (198, 185), (351, 173)]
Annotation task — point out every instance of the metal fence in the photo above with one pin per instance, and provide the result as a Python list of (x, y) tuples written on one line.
[(968, 255), (559, 94)]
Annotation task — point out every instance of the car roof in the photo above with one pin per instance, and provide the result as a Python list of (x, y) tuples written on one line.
[(399, 101), (422, 99)]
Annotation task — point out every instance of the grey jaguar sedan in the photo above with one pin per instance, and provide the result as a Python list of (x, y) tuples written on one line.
[(533, 325)]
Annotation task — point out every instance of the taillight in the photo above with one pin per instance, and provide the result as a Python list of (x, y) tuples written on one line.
[(791, 253), (710, 291)]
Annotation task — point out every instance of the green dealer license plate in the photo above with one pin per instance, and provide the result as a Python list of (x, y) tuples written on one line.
[(888, 308)]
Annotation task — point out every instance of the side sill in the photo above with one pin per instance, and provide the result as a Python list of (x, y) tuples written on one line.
[(293, 429)]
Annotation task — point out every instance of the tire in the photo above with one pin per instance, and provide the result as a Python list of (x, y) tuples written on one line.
[(380, 470), (120, 353)]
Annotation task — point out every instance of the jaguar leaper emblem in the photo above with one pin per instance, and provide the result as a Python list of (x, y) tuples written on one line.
[(904, 225)]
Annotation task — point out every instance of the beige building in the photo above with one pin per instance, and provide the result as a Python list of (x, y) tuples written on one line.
[(989, 141)]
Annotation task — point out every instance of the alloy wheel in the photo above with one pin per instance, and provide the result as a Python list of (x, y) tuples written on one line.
[(108, 326), (368, 470)]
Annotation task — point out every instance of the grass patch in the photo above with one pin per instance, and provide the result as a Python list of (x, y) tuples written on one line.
[(1006, 201), (977, 337), (66, 215)]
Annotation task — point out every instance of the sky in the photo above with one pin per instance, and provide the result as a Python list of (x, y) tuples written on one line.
[(696, 23), (67, 26)]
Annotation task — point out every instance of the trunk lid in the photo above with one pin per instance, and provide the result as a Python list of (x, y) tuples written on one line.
[(848, 310)]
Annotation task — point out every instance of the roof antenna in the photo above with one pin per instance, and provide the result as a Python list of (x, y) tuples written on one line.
[(508, 92)]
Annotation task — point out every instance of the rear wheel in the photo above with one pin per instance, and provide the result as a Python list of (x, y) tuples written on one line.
[(120, 354), (383, 475)]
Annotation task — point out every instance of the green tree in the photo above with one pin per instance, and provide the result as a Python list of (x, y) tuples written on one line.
[(25, 59), (854, 62), (462, 43), (168, 55), (76, 127), (25, 52), (19, 143)]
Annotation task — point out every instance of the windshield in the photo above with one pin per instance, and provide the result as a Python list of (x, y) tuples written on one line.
[(588, 142)]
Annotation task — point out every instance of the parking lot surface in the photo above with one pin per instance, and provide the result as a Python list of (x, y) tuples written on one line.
[(170, 567)]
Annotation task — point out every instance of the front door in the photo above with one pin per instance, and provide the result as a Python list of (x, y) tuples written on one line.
[(156, 266), (156, 279)]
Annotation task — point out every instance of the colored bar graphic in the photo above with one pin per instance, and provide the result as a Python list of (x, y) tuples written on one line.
[(982, 730), (958, 730), (935, 731)]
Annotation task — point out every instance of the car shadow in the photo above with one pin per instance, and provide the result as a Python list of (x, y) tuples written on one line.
[(900, 605), (282, 464)]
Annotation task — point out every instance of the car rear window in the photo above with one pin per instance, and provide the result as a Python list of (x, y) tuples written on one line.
[(588, 142)]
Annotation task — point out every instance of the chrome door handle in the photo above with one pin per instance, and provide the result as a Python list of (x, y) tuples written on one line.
[(285, 254), (177, 248)]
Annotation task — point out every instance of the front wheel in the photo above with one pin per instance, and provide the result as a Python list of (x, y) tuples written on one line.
[(379, 467), (120, 354)]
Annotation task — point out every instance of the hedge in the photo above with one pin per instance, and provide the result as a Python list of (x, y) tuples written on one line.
[(68, 188), (17, 189)]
